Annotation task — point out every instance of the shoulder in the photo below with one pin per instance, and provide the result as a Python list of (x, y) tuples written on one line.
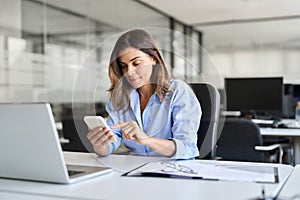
[(181, 91), (109, 105), (177, 85)]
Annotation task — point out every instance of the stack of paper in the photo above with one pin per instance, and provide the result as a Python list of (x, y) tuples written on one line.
[(185, 169)]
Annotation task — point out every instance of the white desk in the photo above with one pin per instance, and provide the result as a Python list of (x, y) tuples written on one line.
[(24, 196), (291, 188), (115, 186), (285, 132)]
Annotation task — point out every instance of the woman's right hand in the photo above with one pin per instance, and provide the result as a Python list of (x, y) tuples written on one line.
[(100, 137)]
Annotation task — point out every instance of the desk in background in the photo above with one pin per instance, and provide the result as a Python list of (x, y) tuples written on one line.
[(115, 186), (286, 132)]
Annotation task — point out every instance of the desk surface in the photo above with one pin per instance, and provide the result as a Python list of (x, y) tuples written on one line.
[(115, 186), (6, 195), (288, 132), (291, 188)]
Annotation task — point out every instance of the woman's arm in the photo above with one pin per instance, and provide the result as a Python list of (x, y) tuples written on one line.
[(186, 115), (131, 131), (161, 146)]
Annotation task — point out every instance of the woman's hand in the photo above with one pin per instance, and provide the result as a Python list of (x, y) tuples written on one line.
[(100, 137), (131, 131)]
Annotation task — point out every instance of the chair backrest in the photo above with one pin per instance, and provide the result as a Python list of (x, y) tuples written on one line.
[(209, 99), (75, 130), (238, 139)]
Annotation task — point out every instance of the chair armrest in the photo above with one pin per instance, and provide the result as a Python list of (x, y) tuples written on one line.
[(64, 141), (270, 148)]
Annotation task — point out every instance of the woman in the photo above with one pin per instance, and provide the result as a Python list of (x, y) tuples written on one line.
[(152, 114)]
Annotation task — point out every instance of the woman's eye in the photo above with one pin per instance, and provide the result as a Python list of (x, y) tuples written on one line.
[(136, 63)]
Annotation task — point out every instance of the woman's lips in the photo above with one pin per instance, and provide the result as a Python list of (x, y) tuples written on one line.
[(134, 80)]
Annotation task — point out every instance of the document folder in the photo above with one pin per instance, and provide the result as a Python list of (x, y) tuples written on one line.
[(194, 170)]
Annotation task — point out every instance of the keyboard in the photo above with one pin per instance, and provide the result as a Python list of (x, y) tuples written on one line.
[(72, 172)]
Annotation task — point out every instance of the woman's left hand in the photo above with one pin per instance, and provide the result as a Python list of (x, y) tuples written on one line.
[(131, 131)]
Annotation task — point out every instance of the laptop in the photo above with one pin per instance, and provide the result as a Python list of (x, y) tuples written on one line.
[(30, 147)]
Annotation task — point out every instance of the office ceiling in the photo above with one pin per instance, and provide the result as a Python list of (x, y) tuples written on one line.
[(239, 23), (197, 12), (232, 23), (108, 13)]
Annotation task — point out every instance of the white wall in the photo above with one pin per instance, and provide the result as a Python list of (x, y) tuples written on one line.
[(10, 17), (258, 63)]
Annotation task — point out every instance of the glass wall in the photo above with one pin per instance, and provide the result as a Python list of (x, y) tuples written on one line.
[(46, 44)]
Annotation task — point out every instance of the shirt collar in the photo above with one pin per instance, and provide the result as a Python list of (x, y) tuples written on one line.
[(135, 97)]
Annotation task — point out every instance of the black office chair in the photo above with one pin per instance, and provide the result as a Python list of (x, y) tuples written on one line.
[(209, 99), (75, 131), (240, 140)]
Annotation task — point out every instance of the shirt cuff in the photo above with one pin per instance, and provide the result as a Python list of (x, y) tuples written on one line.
[(180, 148), (181, 151)]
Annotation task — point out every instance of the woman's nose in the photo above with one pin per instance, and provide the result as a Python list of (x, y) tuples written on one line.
[(130, 70)]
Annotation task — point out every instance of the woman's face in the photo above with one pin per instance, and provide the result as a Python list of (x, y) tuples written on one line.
[(136, 66)]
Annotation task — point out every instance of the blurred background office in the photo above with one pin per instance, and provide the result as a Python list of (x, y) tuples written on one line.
[(44, 44)]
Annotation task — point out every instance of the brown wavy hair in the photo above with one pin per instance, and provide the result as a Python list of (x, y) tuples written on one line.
[(120, 88)]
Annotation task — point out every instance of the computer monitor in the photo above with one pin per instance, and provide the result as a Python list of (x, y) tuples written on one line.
[(260, 96), (296, 93)]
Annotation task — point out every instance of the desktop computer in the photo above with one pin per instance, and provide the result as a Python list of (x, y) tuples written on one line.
[(259, 98)]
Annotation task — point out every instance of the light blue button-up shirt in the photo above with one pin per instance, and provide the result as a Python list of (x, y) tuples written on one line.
[(177, 118)]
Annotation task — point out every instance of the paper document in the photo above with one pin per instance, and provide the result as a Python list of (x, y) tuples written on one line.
[(185, 169)]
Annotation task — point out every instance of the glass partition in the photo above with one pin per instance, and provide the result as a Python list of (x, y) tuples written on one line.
[(47, 42)]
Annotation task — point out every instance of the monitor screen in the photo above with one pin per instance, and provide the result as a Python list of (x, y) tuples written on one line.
[(296, 93), (260, 95)]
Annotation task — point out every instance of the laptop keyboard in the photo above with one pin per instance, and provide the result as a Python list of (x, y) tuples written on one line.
[(72, 172)]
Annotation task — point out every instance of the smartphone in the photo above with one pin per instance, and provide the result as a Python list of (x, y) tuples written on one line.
[(95, 121)]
